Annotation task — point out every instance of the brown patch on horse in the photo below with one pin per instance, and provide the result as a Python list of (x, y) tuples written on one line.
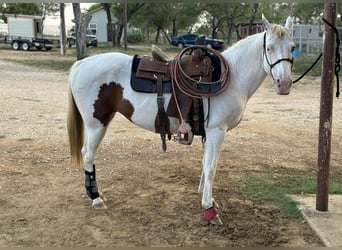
[(110, 100)]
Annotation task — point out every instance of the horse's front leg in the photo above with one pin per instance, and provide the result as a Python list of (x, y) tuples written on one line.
[(214, 140)]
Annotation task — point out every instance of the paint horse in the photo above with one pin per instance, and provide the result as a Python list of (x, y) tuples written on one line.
[(100, 87)]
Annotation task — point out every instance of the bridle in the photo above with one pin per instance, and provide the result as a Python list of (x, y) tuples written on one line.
[(278, 61)]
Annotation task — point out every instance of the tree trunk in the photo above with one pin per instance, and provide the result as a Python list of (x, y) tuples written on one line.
[(157, 35), (251, 21), (165, 35), (120, 26), (81, 24), (110, 27), (174, 28), (62, 29)]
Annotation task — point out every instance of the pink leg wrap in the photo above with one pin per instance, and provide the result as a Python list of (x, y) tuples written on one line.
[(210, 213)]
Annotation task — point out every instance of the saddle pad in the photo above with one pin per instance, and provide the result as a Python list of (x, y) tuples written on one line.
[(146, 85)]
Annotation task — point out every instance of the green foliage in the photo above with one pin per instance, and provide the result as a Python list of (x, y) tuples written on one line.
[(63, 65), (135, 37), (22, 8), (34, 9), (303, 61), (275, 188)]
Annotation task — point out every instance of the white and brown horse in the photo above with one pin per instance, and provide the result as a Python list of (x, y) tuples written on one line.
[(100, 87)]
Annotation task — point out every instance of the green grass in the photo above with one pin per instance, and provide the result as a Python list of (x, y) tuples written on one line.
[(54, 61), (275, 189), (63, 65)]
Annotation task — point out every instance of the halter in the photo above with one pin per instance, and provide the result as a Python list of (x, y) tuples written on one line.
[(278, 61)]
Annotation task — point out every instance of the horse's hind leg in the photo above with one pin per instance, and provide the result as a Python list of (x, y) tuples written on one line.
[(93, 137)]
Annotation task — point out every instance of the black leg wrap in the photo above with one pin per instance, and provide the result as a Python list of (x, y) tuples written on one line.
[(90, 184)]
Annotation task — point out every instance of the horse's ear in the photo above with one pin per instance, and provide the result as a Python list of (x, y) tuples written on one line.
[(267, 25), (288, 23)]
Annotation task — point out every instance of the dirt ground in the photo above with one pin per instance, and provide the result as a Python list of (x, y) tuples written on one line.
[(152, 196)]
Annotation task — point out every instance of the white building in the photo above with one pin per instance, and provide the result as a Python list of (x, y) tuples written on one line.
[(99, 24)]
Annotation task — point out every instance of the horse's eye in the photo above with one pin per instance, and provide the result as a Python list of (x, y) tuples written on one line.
[(268, 49)]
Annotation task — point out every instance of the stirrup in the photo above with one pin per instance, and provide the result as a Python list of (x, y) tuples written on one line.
[(185, 129), (187, 139)]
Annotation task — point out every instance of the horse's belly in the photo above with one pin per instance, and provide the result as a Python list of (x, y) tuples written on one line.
[(146, 109)]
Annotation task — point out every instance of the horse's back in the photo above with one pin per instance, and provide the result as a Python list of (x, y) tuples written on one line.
[(100, 69)]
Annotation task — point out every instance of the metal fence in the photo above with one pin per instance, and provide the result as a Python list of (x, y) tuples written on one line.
[(308, 38)]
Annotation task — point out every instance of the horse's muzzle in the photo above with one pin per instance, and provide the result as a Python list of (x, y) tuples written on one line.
[(283, 86)]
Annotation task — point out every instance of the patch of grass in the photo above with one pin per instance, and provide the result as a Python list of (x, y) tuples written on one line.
[(63, 65), (274, 188)]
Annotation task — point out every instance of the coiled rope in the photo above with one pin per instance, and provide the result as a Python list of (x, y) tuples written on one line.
[(188, 84)]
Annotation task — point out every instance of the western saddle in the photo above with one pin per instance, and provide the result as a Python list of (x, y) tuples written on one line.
[(194, 73)]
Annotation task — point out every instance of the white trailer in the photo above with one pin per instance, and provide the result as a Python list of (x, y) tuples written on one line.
[(24, 26), (25, 31)]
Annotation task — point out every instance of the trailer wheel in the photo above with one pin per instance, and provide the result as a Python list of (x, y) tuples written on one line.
[(15, 45), (26, 46)]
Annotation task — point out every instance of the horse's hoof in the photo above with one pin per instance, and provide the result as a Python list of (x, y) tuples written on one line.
[(216, 221), (102, 196), (212, 217), (98, 204)]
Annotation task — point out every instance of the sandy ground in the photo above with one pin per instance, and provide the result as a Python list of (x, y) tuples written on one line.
[(152, 196)]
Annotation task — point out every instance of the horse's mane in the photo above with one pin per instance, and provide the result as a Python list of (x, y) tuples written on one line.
[(242, 42), (281, 31)]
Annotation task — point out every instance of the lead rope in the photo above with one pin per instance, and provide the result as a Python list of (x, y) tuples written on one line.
[(337, 61), (337, 57)]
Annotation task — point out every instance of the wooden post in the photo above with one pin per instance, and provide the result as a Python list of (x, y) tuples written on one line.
[(327, 96)]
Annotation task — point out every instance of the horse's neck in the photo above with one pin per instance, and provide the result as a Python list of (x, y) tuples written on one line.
[(246, 64)]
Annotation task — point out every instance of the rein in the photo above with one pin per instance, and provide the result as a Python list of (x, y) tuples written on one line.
[(278, 61), (337, 60)]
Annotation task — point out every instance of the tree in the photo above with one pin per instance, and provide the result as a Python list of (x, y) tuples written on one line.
[(252, 19), (110, 28), (224, 17), (118, 10), (307, 13), (21, 9), (47, 9), (184, 16), (62, 28), (81, 24), (166, 17)]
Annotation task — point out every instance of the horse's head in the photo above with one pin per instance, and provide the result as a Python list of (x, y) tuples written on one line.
[(278, 60)]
